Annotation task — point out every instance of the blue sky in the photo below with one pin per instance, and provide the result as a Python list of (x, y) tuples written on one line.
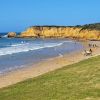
[(17, 15)]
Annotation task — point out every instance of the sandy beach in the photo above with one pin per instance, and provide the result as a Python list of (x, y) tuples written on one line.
[(46, 66)]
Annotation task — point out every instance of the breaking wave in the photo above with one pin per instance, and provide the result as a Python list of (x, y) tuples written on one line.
[(25, 47)]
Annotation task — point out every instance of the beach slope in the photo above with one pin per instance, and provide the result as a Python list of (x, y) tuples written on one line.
[(80, 81)]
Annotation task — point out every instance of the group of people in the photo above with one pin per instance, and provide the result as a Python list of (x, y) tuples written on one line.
[(92, 45), (89, 52)]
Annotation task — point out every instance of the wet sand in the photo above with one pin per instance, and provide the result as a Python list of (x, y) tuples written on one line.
[(46, 66)]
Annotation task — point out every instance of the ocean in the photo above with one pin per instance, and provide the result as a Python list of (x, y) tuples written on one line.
[(16, 53)]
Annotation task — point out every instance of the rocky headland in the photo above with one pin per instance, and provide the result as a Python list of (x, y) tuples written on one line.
[(87, 32), (90, 31)]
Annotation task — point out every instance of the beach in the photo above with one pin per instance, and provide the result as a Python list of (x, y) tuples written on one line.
[(45, 66), (17, 53)]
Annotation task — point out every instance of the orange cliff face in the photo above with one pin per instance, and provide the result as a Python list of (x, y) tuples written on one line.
[(60, 32)]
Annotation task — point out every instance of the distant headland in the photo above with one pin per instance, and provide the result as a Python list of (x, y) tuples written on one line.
[(88, 31)]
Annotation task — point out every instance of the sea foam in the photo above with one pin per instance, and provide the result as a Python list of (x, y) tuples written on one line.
[(25, 47)]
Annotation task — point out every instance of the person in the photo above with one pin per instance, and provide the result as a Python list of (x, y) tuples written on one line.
[(93, 45), (96, 45), (90, 50), (89, 45)]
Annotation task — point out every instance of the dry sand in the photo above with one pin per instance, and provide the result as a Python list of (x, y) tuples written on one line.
[(45, 66)]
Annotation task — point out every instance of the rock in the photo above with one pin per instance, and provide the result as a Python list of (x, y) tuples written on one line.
[(11, 35), (60, 32)]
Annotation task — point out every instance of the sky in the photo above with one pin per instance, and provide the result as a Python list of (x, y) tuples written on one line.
[(17, 15)]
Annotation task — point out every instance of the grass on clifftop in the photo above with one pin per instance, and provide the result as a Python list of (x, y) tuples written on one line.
[(79, 81)]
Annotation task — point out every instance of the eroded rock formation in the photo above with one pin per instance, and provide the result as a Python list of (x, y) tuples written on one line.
[(11, 34), (61, 32)]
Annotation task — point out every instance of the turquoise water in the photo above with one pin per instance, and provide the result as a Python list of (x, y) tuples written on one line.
[(17, 53)]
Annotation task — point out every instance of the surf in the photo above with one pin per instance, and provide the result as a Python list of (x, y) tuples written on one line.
[(25, 47)]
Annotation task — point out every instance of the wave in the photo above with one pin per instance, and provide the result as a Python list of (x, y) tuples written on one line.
[(4, 36), (25, 47), (15, 45)]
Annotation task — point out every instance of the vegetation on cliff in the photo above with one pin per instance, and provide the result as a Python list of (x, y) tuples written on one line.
[(95, 26)]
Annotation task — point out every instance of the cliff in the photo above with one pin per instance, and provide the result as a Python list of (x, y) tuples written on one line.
[(80, 32)]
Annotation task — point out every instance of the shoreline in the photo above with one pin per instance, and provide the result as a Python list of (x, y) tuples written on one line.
[(43, 67)]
